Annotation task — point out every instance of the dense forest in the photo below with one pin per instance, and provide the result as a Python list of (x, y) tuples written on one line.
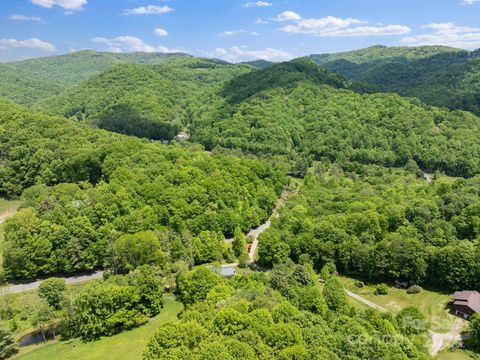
[(307, 120), (437, 75), (86, 188), (285, 315), (364, 182), (382, 224)]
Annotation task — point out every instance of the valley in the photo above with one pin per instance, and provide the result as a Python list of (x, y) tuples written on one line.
[(302, 176)]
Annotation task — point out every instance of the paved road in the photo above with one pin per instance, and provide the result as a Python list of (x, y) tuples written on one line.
[(255, 233), (12, 289)]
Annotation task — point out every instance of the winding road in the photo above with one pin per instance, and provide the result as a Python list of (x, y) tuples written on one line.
[(255, 233)]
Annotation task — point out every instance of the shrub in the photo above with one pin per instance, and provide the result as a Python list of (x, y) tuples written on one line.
[(382, 289), (243, 261), (414, 289)]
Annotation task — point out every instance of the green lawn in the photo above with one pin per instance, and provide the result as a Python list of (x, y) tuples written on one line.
[(454, 355), (128, 345), (8, 204), (432, 304)]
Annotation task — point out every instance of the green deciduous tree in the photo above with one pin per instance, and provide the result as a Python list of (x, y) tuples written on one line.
[(53, 290)]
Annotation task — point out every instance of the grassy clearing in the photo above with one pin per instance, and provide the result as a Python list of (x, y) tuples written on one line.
[(454, 355), (17, 309), (127, 345), (8, 204), (432, 304)]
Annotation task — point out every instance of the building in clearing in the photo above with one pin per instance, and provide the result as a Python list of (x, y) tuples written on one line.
[(466, 303)]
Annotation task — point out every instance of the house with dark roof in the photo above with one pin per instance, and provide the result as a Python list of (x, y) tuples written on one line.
[(466, 303)]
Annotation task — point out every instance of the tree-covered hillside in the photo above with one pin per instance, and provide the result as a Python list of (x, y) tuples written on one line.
[(282, 315), (88, 187), (382, 224), (24, 86), (151, 101), (383, 54), (438, 76), (284, 111), (30, 81), (71, 69)]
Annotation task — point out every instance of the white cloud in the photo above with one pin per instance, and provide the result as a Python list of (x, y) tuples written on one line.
[(241, 53), (32, 43), (66, 4), (237, 32), (288, 16), (149, 10), (331, 26), (160, 32), (261, 22), (19, 17), (257, 4), (130, 44), (470, 2), (448, 34)]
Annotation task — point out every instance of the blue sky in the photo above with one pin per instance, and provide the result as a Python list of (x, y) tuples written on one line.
[(233, 30)]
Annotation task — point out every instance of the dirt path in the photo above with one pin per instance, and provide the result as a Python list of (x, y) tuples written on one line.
[(365, 301), (6, 214), (439, 341)]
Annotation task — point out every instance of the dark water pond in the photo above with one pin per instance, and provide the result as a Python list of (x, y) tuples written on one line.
[(34, 338)]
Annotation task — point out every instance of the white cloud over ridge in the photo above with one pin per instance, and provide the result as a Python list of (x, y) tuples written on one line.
[(242, 53), (448, 34), (331, 26), (65, 4), (32, 43), (149, 10), (127, 43)]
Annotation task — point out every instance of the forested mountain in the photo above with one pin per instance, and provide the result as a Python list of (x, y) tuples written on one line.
[(302, 114), (24, 86), (438, 76), (259, 64), (379, 54), (151, 101), (97, 191), (28, 81), (71, 69)]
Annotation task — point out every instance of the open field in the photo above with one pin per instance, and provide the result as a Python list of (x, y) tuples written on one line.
[(17, 309), (454, 355), (431, 303), (8, 204), (127, 345)]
